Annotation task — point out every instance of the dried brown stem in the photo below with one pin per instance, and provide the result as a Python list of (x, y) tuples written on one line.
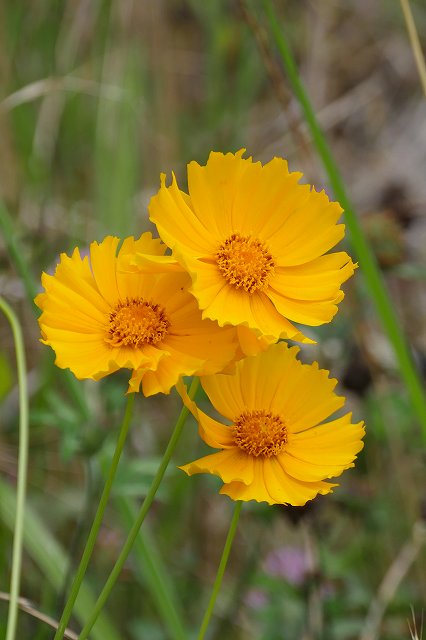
[(25, 605)]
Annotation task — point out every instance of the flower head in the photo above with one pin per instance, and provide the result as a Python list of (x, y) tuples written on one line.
[(254, 242), (99, 318), (277, 449)]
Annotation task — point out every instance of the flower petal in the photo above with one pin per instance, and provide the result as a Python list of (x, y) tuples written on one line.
[(334, 443), (252, 342), (272, 485), (186, 356), (213, 189), (287, 490), (230, 465), (213, 433), (264, 197), (310, 400), (144, 263), (103, 263), (224, 392), (319, 279), (177, 223), (310, 230)]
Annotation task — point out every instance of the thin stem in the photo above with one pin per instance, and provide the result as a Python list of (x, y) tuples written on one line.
[(415, 42), (22, 470), (370, 269), (103, 597), (88, 550), (221, 570)]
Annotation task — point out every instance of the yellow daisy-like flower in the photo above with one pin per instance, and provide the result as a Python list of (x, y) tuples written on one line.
[(278, 449), (250, 342), (254, 242), (98, 319)]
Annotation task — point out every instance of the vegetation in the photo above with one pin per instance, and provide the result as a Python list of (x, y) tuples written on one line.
[(96, 100)]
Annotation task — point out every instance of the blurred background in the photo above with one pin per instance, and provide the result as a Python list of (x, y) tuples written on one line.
[(97, 97)]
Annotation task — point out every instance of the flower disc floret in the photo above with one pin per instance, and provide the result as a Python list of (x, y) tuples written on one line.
[(245, 262), (135, 322), (260, 433)]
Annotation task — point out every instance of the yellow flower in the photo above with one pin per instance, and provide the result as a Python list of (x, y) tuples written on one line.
[(254, 240), (98, 319), (278, 449), (249, 341)]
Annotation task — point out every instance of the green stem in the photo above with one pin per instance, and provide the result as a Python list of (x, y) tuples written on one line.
[(103, 597), (221, 570), (22, 470), (88, 550), (371, 271)]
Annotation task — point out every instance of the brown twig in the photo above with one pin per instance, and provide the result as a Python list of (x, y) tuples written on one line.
[(26, 606)]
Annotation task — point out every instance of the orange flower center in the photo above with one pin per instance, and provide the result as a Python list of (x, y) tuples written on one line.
[(260, 433), (245, 262), (136, 322)]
